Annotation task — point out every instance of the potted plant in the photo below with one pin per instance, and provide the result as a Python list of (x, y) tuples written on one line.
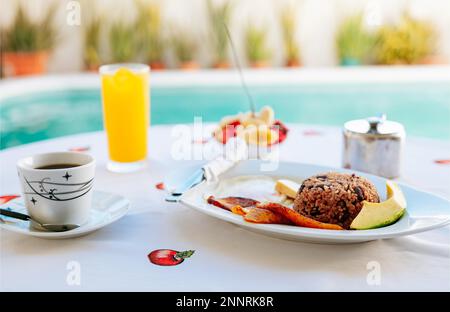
[(91, 51), (219, 16), (353, 41), (410, 42), (150, 41), (185, 48), (288, 23), (122, 42), (256, 49), (26, 43)]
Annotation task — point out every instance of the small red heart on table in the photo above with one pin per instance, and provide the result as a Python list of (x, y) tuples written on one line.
[(160, 186), (311, 132), (200, 141), (79, 149), (169, 257), (442, 161), (6, 198)]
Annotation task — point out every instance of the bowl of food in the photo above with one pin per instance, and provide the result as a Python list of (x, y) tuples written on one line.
[(260, 130)]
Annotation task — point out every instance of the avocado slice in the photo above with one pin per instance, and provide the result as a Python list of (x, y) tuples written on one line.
[(376, 215)]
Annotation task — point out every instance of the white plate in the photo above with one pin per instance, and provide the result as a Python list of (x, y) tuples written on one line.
[(425, 211), (106, 208)]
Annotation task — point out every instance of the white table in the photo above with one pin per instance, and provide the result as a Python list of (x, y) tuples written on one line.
[(226, 257)]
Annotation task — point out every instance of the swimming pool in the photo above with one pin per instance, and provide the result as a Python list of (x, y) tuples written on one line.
[(423, 107)]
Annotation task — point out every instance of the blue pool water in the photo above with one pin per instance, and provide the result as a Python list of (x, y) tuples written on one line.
[(423, 108)]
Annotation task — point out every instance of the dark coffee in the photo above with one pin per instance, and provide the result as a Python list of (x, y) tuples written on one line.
[(58, 166)]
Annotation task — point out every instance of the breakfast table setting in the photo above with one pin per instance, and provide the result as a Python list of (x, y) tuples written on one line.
[(155, 245), (246, 204)]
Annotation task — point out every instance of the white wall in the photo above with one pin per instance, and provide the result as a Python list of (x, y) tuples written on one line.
[(316, 27)]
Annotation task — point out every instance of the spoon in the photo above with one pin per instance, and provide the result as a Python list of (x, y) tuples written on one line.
[(49, 227), (241, 75)]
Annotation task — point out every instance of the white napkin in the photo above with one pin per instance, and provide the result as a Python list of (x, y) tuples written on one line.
[(235, 150)]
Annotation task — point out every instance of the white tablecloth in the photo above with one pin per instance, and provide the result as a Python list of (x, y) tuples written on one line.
[(227, 258)]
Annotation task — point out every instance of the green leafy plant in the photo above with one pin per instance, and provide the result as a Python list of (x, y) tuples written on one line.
[(219, 16), (25, 35), (91, 52), (148, 28), (288, 23), (407, 43), (184, 45), (255, 44), (122, 43), (353, 41)]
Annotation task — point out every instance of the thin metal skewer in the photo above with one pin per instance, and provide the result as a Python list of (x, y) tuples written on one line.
[(241, 75)]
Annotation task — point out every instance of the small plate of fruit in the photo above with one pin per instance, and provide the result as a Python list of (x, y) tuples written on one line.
[(260, 130)]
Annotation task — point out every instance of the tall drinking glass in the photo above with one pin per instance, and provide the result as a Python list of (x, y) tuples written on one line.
[(126, 114)]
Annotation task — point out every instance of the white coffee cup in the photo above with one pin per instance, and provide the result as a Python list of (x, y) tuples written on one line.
[(57, 196)]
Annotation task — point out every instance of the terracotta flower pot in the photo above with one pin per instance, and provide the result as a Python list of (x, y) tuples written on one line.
[(25, 63), (293, 63), (157, 65), (434, 60), (189, 65), (93, 68), (221, 65), (259, 64)]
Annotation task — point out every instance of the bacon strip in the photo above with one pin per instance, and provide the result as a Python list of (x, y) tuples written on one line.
[(268, 213), (239, 210), (257, 215), (297, 218), (228, 203)]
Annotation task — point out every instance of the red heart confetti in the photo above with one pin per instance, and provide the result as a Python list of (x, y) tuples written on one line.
[(200, 141), (311, 132), (442, 161), (6, 198), (80, 149)]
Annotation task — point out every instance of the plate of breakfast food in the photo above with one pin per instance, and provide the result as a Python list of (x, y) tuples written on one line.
[(317, 204)]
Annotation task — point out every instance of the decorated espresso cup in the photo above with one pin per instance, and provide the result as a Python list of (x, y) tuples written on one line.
[(57, 187)]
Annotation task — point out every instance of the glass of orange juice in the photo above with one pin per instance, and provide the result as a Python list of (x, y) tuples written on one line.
[(126, 114)]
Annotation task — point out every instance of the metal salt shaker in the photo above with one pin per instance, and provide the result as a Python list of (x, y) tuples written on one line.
[(374, 145)]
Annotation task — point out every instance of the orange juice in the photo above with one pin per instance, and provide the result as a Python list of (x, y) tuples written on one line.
[(126, 111)]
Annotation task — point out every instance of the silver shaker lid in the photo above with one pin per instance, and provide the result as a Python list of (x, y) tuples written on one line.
[(375, 126)]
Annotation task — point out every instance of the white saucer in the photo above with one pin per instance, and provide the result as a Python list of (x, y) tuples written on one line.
[(106, 208)]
